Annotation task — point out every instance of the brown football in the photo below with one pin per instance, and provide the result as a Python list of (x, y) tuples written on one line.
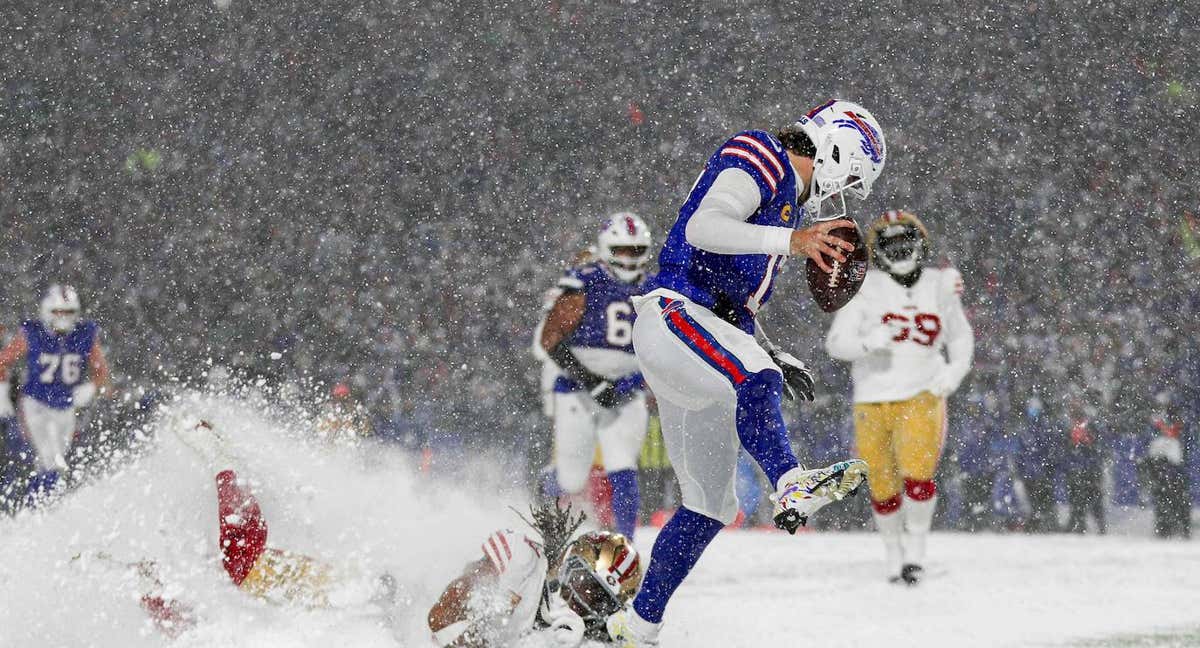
[(832, 290)]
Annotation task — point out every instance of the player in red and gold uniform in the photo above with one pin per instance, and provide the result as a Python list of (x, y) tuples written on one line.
[(910, 346)]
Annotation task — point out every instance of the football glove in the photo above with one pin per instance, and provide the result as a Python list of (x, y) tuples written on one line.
[(617, 393), (798, 383), (83, 395)]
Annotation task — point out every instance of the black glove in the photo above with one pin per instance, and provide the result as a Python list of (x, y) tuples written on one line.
[(570, 365), (798, 383), (622, 390)]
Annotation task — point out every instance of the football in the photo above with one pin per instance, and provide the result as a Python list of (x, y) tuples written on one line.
[(832, 290)]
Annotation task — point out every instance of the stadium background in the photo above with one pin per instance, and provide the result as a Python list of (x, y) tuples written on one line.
[(378, 192)]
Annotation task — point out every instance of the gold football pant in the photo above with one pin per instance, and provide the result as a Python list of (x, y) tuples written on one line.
[(901, 441)]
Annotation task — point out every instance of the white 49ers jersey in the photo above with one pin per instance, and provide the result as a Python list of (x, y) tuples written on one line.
[(521, 568), (931, 344)]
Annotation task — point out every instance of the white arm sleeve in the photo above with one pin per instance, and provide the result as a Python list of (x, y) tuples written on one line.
[(960, 339), (719, 224), (844, 340)]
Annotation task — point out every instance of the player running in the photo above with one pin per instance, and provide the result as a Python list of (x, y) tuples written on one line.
[(65, 369), (895, 332), (599, 396), (522, 584), (694, 335)]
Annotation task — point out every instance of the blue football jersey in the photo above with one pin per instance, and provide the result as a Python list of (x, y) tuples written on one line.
[(603, 341), (608, 317), (57, 363), (735, 286)]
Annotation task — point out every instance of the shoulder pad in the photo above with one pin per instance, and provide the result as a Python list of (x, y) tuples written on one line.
[(510, 551), (951, 281), (760, 154)]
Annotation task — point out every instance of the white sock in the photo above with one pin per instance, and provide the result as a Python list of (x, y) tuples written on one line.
[(890, 526), (918, 518)]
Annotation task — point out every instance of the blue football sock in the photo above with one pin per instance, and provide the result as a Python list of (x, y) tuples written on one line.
[(625, 500), (40, 486), (760, 425), (675, 552)]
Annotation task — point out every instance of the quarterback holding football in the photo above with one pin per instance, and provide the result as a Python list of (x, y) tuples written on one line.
[(910, 346)]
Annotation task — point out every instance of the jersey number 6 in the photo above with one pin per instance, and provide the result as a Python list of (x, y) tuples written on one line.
[(618, 330)]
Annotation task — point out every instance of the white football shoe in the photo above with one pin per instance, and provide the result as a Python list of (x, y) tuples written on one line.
[(629, 630), (803, 492)]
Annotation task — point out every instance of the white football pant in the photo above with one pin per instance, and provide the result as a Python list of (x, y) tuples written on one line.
[(50, 432), (691, 360), (579, 424)]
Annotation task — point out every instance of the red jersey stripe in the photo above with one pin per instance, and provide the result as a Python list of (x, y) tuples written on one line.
[(762, 151), (752, 159), (504, 543), (495, 554)]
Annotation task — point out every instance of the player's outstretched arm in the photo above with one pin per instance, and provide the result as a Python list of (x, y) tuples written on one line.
[(450, 618)]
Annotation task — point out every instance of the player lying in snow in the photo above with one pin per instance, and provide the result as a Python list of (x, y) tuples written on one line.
[(266, 572), (521, 585)]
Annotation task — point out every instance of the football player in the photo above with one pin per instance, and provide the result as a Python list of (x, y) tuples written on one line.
[(65, 369), (599, 394), (261, 570), (716, 386), (524, 583), (910, 346)]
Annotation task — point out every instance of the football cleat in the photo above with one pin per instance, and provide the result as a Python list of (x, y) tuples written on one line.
[(629, 630), (910, 574), (803, 492)]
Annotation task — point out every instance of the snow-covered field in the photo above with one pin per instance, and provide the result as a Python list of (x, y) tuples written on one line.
[(365, 509)]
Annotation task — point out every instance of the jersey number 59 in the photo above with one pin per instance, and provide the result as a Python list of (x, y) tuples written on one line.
[(923, 328)]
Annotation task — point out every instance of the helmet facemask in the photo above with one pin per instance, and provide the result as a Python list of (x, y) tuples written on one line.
[(900, 249), (593, 599), (628, 262), (60, 309), (624, 246)]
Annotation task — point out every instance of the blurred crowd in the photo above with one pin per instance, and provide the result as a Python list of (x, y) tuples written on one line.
[(375, 194)]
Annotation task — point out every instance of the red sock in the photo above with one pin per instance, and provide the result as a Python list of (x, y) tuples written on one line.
[(243, 529), (920, 490), (889, 505)]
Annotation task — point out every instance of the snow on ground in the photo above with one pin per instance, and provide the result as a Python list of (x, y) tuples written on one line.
[(752, 588), (365, 510)]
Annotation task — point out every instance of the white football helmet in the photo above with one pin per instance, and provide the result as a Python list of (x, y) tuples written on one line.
[(60, 308), (624, 245), (850, 154)]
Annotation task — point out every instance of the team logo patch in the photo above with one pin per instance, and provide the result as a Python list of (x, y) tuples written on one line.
[(786, 213), (872, 144), (858, 270)]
